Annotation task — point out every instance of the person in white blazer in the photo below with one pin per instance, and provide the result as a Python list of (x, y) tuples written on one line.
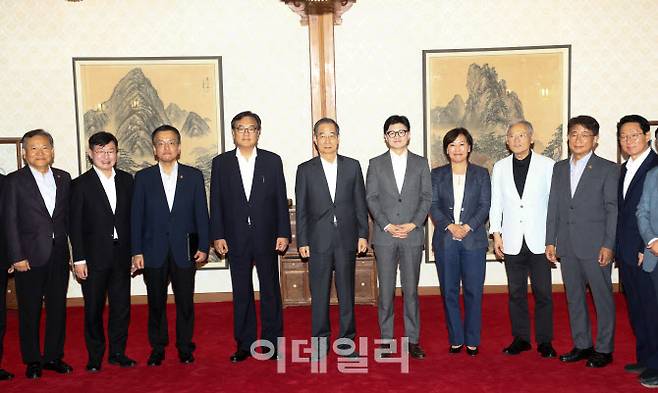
[(520, 185)]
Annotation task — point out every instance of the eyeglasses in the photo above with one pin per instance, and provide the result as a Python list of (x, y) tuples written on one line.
[(102, 152), (396, 133), (168, 142), (631, 138), (584, 135), (248, 130)]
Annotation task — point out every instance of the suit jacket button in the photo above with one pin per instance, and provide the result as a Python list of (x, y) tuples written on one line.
[(400, 200), (521, 206)]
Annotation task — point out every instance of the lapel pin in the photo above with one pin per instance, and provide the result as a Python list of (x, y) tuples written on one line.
[(589, 166)]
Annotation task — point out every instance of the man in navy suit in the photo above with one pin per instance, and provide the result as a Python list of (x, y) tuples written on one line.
[(169, 217), (4, 375), (36, 215), (100, 240), (332, 226), (635, 140), (250, 223)]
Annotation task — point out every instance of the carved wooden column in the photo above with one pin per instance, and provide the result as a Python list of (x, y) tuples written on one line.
[(320, 16)]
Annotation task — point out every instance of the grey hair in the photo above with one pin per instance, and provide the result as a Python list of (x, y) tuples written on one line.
[(37, 132), (525, 123)]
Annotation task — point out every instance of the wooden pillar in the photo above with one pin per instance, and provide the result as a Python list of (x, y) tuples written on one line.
[(323, 74), (320, 16)]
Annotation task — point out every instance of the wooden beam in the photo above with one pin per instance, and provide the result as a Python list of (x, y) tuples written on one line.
[(323, 74)]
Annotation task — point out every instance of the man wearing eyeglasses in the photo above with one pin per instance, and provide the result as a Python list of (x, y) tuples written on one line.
[(580, 230), (399, 196), (250, 223), (100, 240), (169, 230), (635, 140)]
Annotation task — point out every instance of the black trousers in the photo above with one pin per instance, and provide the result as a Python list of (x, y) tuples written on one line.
[(518, 267), (44, 284), (244, 308), (321, 265), (642, 310), (182, 282), (3, 308), (115, 284)]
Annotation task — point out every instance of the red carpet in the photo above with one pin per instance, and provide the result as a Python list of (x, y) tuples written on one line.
[(491, 371)]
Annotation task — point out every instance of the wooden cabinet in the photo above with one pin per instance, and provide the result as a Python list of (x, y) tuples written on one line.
[(12, 304), (295, 290)]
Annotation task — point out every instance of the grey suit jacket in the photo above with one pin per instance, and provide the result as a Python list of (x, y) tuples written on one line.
[(647, 217), (389, 206), (581, 225)]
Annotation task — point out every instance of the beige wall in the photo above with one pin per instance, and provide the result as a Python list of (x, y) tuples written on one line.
[(265, 62)]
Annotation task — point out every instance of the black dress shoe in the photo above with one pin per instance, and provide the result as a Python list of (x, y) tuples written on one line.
[(155, 359), (635, 368), (577, 354), (517, 346), (649, 382), (121, 360), (649, 376), (416, 351), (186, 358), (33, 370), (5, 375), (546, 350), (58, 366), (598, 360), (472, 351), (240, 355), (93, 367), (455, 349)]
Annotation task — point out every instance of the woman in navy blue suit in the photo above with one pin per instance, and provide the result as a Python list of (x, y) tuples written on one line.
[(461, 196)]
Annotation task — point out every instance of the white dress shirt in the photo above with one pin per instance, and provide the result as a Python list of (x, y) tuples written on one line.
[(169, 184), (331, 174), (458, 184), (110, 189), (47, 188), (576, 169), (631, 169), (399, 168), (247, 166)]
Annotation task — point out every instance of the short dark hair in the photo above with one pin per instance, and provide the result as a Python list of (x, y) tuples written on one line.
[(325, 120), (452, 135), (396, 119), (37, 132), (242, 115), (644, 123), (162, 128), (586, 121), (101, 139)]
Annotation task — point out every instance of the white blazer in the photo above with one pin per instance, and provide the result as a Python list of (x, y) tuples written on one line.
[(515, 217)]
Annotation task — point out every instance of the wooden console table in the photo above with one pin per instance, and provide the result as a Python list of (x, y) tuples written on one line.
[(295, 290)]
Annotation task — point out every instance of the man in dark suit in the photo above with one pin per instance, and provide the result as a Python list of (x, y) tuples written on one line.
[(250, 223), (36, 211), (4, 265), (169, 231), (399, 196), (635, 140), (100, 239), (580, 228), (332, 226)]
